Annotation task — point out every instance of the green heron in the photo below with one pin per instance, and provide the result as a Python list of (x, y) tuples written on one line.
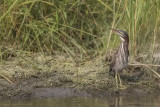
[(120, 58)]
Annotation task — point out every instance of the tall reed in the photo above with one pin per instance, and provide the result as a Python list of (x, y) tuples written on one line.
[(79, 26)]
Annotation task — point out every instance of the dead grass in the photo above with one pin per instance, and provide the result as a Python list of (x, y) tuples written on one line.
[(61, 70)]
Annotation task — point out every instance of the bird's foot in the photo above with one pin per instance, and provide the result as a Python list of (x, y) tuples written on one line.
[(122, 87)]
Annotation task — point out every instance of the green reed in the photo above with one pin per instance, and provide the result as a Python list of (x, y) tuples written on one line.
[(79, 26)]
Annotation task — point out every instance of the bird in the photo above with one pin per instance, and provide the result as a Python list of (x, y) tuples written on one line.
[(121, 56)]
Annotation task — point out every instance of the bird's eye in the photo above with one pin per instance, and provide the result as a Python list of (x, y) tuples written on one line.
[(122, 33)]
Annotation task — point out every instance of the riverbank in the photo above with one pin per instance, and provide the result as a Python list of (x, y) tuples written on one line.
[(35, 75)]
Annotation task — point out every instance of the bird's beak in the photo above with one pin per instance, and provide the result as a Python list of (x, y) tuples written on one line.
[(114, 30)]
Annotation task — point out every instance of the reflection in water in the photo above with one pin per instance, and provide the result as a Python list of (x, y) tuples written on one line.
[(122, 101), (135, 101)]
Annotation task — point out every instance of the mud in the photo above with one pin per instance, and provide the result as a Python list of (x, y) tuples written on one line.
[(41, 76)]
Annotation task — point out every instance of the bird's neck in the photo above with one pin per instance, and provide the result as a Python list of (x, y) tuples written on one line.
[(125, 44)]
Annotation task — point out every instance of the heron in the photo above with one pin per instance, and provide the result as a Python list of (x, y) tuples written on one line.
[(120, 59)]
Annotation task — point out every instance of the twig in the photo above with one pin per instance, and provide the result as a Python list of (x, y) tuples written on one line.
[(6, 79), (147, 65), (153, 71)]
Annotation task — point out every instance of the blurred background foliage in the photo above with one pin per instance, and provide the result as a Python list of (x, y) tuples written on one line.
[(79, 26)]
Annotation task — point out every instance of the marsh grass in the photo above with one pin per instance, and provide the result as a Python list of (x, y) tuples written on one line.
[(79, 26)]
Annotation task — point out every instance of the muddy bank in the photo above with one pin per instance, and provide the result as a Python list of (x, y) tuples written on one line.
[(41, 76)]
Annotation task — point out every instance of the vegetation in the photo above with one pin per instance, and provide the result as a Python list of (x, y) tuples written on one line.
[(79, 26)]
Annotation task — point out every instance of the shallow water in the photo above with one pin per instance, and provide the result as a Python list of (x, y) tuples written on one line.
[(122, 101)]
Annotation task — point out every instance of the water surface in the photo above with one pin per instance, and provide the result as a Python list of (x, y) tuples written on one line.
[(122, 101)]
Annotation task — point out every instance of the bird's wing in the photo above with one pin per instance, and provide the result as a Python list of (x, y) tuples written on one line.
[(113, 59)]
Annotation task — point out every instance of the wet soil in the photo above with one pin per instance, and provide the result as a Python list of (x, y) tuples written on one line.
[(40, 76)]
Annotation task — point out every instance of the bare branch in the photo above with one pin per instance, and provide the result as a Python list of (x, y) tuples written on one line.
[(147, 66)]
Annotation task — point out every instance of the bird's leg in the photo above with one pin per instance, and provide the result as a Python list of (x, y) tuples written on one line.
[(120, 81), (116, 79)]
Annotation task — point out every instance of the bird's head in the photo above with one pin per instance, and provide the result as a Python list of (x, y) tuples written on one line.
[(123, 35)]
